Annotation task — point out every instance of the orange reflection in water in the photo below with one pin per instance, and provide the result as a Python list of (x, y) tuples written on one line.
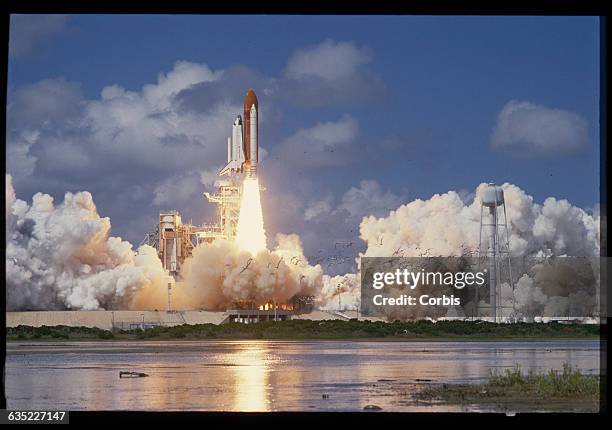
[(251, 370)]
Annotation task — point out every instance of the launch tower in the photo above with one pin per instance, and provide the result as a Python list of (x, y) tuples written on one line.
[(175, 240)]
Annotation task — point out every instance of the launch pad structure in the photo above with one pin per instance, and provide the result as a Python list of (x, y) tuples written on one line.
[(175, 240), (227, 198)]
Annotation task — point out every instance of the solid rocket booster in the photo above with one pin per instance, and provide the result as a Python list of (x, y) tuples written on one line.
[(253, 143)]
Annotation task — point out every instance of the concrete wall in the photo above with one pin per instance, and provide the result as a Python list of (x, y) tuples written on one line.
[(107, 319), (318, 315), (134, 319)]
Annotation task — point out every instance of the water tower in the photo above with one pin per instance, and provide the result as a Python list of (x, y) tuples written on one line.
[(494, 245)]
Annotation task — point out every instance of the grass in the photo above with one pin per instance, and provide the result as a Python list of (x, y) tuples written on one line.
[(568, 383), (330, 329), (568, 389)]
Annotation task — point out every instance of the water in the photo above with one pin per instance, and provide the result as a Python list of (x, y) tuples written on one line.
[(265, 375)]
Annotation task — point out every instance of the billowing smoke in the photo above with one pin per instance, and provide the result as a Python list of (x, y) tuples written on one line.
[(221, 274), (340, 292), (63, 257), (555, 288), (445, 225)]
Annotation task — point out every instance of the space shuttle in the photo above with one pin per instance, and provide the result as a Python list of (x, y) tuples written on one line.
[(242, 146), (235, 149)]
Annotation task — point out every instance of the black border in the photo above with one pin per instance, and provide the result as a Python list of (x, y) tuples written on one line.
[(330, 7), (334, 7)]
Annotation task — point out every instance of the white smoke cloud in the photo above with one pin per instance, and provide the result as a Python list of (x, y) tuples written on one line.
[(528, 297), (340, 292), (219, 275), (63, 257), (444, 225)]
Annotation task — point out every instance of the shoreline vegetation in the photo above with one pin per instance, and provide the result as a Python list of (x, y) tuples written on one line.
[(320, 330), (567, 390)]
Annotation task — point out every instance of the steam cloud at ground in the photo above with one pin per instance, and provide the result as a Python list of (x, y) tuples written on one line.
[(220, 274), (63, 257), (445, 225)]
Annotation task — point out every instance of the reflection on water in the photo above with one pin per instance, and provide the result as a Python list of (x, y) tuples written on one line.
[(264, 375), (251, 378)]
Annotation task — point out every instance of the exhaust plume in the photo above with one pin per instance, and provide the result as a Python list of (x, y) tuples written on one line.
[(251, 235)]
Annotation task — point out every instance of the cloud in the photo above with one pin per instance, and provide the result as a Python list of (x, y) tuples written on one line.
[(46, 104), (526, 130), (29, 32), (334, 226), (329, 60), (58, 140), (319, 207), (229, 87), (130, 128), (182, 76), (178, 190), (158, 147), (369, 199), (219, 274), (331, 73), (325, 144), (63, 257), (448, 225)]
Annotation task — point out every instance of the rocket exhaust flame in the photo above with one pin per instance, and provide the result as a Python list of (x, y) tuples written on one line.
[(251, 235)]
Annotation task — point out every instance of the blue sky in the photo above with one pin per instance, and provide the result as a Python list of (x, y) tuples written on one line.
[(431, 87)]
